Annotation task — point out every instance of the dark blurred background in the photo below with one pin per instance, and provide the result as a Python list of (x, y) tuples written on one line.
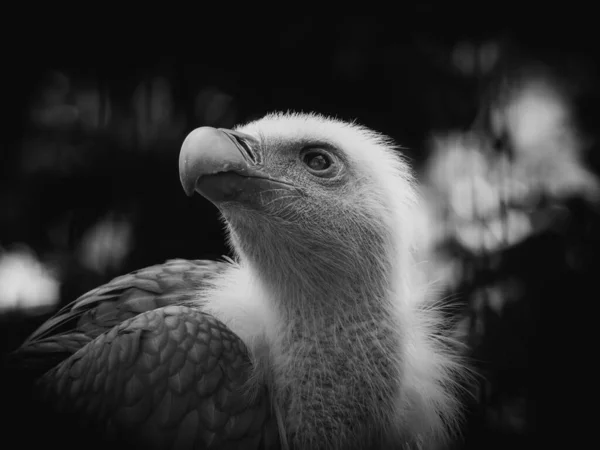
[(500, 122)]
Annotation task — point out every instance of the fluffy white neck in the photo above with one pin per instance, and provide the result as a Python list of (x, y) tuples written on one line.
[(354, 359), (333, 347)]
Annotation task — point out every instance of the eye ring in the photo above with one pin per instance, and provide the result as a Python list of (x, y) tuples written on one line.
[(319, 162)]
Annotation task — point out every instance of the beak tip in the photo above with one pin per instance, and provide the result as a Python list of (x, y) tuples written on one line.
[(188, 184), (183, 176)]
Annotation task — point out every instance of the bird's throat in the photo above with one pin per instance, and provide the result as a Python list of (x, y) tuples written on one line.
[(336, 361), (334, 345)]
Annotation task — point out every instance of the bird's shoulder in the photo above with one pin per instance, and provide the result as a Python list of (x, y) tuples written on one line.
[(173, 282)]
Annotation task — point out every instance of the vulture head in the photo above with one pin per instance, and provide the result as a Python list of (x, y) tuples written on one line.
[(326, 289)]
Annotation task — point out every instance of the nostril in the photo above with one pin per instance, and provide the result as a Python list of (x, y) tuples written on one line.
[(244, 144), (249, 153)]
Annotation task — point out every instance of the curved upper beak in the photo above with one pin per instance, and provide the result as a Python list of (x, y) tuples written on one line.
[(222, 165)]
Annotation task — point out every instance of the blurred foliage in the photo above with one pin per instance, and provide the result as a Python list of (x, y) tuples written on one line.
[(501, 124)]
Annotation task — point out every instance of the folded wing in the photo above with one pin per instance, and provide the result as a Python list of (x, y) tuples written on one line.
[(137, 362)]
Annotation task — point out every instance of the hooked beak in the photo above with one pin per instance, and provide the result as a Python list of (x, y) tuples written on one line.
[(223, 165)]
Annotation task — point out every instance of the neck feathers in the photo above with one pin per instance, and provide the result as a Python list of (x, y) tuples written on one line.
[(335, 347), (349, 344)]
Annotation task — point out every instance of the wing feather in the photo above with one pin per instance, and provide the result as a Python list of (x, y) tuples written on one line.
[(136, 362), (172, 377), (97, 311)]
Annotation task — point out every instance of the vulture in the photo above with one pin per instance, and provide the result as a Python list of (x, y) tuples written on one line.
[(322, 332)]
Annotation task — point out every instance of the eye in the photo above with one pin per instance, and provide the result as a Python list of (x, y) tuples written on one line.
[(319, 162)]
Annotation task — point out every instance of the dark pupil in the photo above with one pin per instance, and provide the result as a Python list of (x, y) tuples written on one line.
[(316, 161)]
